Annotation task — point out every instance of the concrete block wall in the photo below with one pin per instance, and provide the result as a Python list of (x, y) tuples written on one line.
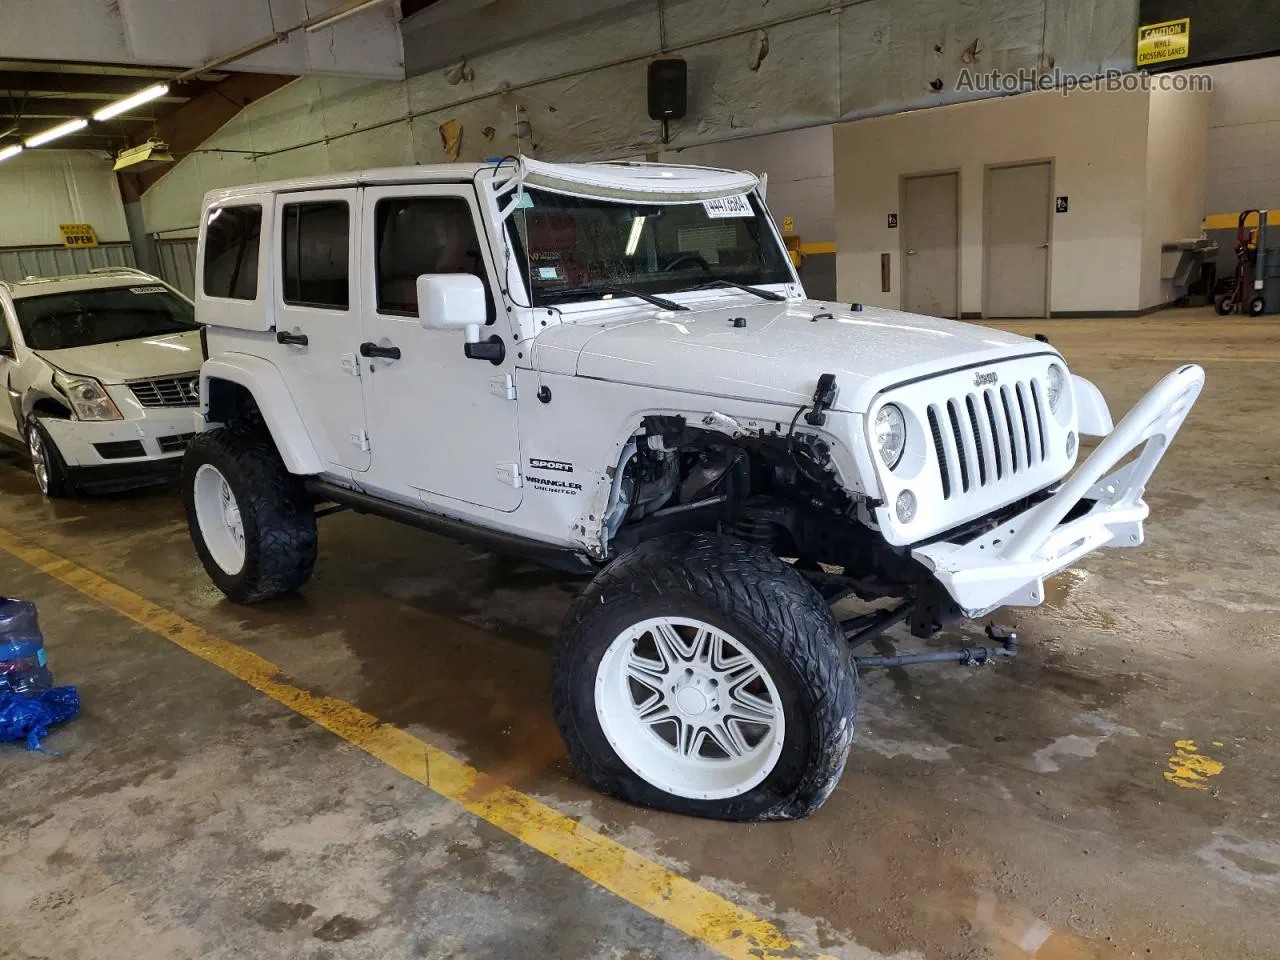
[(1244, 137), (576, 72)]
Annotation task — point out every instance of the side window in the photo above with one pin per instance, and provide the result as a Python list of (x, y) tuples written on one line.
[(316, 255), (417, 235), (231, 252), (6, 337)]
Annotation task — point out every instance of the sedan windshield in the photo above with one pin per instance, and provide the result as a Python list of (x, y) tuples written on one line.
[(574, 248), (83, 318)]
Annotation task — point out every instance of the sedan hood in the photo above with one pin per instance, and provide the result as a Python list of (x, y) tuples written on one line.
[(124, 360), (776, 352)]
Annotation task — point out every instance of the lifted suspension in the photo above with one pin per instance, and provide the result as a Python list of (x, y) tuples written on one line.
[(858, 630)]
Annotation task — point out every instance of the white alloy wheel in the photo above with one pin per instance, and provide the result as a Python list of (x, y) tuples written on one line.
[(39, 457), (218, 515), (689, 709)]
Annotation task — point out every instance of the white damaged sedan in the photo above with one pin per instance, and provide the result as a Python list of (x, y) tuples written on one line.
[(100, 377)]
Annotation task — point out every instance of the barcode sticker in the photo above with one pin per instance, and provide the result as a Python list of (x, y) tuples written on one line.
[(148, 290), (722, 207)]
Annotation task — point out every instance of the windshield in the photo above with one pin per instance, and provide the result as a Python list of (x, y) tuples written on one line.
[(83, 318), (572, 248)]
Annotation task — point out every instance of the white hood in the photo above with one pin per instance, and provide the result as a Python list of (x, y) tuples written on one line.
[(780, 352), (124, 360)]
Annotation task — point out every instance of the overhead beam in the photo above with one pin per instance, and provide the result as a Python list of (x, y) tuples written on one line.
[(33, 108), (15, 83), (99, 69)]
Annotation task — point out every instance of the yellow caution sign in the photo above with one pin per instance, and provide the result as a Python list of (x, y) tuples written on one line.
[(1158, 42), (78, 235), (788, 225)]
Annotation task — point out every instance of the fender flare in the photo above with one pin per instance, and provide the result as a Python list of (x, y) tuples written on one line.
[(265, 383), (1093, 416)]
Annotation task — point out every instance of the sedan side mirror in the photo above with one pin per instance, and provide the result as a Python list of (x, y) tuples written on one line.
[(456, 301)]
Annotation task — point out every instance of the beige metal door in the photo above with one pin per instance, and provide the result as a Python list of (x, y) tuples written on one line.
[(1017, 240), (930, 244)]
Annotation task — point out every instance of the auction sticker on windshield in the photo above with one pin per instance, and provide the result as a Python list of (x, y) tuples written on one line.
[(721, 207)]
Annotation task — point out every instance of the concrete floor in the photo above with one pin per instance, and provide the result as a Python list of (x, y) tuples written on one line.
[(1017, 811)]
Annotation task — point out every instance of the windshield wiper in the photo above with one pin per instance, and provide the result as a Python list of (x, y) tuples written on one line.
[(662, 302), (762, 294)]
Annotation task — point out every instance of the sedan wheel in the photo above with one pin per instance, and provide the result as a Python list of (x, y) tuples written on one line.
[(39, 459), (46, 462)]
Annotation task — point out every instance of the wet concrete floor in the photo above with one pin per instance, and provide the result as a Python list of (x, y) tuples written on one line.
[(1114, 792)]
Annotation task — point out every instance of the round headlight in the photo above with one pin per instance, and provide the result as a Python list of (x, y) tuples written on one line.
[(1054, 386), (891, 434)]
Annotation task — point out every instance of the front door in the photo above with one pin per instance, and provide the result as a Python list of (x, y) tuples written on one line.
[(10, 400), (442, 426), (318, 319), (930, 244), (1017, 233)]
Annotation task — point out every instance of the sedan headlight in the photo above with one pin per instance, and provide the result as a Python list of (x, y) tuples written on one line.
[(1054, 386), (88, 398), (891, 434)]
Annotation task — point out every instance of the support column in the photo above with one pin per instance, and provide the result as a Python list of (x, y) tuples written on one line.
[(145, 252)]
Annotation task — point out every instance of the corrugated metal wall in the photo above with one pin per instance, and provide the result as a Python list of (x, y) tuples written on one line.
[(19, 262), (178, 263)]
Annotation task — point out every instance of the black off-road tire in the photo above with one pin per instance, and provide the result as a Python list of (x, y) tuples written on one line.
[(1257, 307), (59, 485), (761, 602), (277, 514)]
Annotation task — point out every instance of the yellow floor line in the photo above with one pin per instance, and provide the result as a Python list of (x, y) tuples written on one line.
[(724, 927)]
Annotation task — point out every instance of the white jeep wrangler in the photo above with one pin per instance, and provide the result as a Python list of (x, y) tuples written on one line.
[(613, 368)]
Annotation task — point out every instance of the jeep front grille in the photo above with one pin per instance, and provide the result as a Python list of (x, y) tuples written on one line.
[(179, 391), (986, 436)]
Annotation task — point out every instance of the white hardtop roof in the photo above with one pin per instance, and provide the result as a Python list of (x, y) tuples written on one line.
[(621, 180), (99, 279)]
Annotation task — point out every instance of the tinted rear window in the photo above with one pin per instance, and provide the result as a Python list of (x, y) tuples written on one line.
[(231, 236)]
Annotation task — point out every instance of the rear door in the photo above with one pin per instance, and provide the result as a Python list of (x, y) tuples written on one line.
[(442, 426), (317, 309)]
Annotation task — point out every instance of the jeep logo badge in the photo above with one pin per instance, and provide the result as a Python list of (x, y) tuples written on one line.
[(984, 379)]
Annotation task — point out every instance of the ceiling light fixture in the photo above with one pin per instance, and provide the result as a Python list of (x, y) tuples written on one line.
[(10, 151), (53, 133), (128, 103), (340, 12)]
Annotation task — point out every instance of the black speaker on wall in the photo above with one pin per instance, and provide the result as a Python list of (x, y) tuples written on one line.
[(668, 89)]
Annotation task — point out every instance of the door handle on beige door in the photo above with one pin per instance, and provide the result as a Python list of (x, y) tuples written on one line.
[(911, 253), (292, 339), (370, 349), (1045, 245)]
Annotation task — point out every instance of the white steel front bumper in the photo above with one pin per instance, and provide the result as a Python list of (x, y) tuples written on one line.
[(1007, 566)]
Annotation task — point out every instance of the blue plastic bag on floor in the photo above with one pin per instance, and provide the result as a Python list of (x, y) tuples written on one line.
[(29, 702), (29, 718)]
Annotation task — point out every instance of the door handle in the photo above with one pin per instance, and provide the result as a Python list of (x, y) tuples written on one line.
[(911, 253), (1044, 246), (370, 349), (293, 339)]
